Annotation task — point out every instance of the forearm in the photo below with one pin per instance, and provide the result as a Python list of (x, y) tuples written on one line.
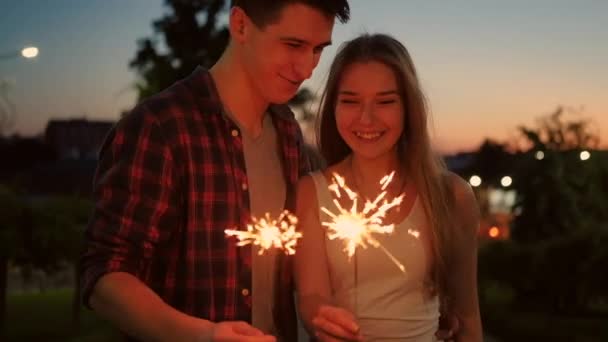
[(308, 307), (133, 307), (469, 334)]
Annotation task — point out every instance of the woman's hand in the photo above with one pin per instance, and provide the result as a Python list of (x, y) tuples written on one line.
[(335, 324)]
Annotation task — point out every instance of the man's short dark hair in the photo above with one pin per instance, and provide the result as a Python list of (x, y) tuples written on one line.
[(265, 12)]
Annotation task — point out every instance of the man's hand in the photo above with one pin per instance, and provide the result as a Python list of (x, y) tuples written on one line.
[(333, 324), (449, 325), (238, 332)]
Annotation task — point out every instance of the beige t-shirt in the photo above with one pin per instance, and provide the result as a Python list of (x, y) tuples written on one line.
[(266, 186)]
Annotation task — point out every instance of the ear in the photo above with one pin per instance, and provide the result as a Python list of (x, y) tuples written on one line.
[(239, 24)]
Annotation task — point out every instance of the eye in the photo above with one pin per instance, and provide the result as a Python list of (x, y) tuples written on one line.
[(293, 45), (387, 101), (348, 101)]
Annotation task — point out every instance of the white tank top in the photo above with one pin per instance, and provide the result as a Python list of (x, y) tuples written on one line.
[(389, 305)]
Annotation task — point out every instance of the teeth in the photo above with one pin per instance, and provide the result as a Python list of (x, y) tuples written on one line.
[(368, 135)]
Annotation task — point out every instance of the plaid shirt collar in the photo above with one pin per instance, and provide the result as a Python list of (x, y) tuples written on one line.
[(201, 83)]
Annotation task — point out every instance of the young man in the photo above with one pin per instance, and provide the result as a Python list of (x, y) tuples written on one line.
[(198, 158)]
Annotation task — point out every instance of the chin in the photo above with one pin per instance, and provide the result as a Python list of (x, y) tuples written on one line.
[(281, 98)]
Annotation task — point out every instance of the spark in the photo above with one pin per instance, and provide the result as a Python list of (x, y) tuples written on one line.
[(270, 233), (357, 228)]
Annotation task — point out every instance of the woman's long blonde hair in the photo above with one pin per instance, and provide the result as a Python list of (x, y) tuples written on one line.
[(422, 165)]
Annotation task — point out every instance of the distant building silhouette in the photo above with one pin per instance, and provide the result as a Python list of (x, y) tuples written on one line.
[(76, 138), (60, 162)]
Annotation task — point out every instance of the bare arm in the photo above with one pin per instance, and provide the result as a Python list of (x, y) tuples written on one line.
[(462, 279), (311, 271), (321, 318)]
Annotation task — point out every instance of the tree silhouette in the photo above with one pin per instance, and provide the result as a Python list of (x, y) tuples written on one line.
[(193, 36), (560, 219), (559, 192), (491, 162)]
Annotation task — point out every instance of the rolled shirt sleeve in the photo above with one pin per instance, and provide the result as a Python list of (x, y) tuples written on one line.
[(135, 201)]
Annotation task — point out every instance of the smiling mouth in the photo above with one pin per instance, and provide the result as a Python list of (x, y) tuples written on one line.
[(294, 83), (368, 135)]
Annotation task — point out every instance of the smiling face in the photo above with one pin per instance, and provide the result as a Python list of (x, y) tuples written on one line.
[(278, 57), (369, 110)]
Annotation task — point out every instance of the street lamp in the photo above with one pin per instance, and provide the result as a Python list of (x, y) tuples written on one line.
[(28, 52), (506, 181), (475, 181), (540, 155)]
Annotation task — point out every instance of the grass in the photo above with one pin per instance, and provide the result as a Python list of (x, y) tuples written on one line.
[(535, 326), (47, 316), (503, 320)]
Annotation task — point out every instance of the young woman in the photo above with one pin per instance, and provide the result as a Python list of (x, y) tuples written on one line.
[(373, 121)]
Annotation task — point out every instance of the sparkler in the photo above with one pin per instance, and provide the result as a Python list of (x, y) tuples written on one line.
[(357, 228), (269, 233)]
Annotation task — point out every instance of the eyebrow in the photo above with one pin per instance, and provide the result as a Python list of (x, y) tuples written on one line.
[(303, 42), (381, 93)]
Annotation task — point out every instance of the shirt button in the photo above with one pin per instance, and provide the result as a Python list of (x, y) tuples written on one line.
[(235, 133), (244, 186), (245, 292)]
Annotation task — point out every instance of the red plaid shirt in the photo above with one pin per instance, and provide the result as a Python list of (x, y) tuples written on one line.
[(171, 177)]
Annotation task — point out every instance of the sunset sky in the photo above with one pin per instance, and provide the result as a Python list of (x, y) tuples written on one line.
[(486, 66)]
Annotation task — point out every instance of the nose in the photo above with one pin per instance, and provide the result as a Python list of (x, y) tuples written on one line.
[(367, 112)]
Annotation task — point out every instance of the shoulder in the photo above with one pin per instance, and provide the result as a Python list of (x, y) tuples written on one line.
[(176, 106), (459, 189), (170, 115), (168, 105), (464, 206), (306, 189)]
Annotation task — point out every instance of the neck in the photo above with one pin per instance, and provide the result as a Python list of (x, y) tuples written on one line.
[(237, 93), (367, 173)]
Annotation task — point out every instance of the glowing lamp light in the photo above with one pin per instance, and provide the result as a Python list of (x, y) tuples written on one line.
[(29, 52), (475, 181), (540, 155)]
